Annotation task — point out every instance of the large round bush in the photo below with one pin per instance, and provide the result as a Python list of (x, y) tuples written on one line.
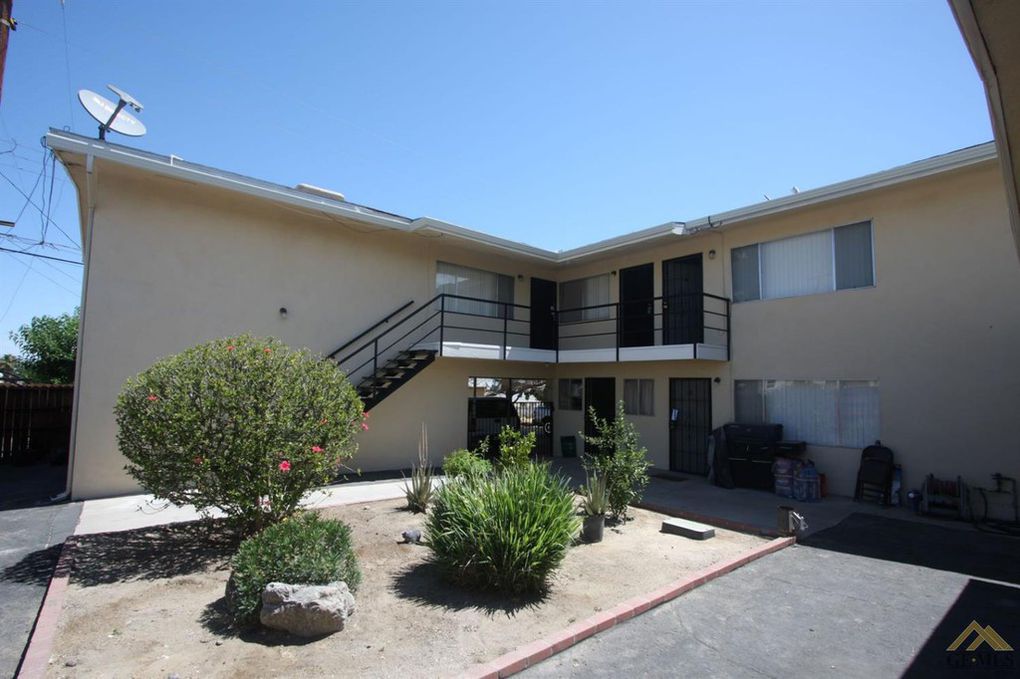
[(243, 424), (304, 550), (508, 531)]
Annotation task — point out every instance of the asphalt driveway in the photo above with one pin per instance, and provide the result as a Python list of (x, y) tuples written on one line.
[(30, 542), (864, 601)]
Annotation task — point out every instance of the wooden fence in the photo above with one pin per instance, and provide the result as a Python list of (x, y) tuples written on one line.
[(35, 423)]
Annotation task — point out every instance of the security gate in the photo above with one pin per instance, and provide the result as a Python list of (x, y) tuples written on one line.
[(487, 415), (690, 423)]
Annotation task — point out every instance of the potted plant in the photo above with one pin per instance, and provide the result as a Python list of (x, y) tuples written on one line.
[(594, 502)]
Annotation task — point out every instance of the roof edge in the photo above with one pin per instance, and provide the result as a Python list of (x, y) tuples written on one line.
[(63, 141)]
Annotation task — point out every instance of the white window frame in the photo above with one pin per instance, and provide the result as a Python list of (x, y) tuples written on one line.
[(832, 248), (839, 424)]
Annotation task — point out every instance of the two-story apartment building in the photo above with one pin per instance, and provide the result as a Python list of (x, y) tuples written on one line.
[(882, 307)]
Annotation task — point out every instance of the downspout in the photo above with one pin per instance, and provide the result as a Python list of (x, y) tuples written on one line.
[(86, 253)]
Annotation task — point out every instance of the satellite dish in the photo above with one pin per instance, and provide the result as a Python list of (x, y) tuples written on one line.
[(112, 116)]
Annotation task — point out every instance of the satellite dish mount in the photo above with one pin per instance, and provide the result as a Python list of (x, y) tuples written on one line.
[(112, 116)]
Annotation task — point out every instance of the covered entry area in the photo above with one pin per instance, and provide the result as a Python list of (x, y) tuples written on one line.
[(690, 423)]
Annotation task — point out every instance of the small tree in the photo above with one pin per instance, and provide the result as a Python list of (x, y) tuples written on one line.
[(515, 447), (48, 345), (622, 461), (244, 425)]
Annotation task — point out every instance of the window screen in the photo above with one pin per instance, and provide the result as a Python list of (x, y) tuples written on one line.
[(854, 265), (745, 273), (571, 392)]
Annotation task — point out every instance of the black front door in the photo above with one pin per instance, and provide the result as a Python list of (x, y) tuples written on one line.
[(690, 423), (683, 317), (637, 322), (543, 314), (600, 395)]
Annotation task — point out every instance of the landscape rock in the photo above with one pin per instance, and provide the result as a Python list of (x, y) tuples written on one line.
[(411, 536), (306, 610)]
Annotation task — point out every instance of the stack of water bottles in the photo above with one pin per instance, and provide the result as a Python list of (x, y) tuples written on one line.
[(797, 479)]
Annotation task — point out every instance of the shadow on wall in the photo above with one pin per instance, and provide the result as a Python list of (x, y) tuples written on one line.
[(971, 552)]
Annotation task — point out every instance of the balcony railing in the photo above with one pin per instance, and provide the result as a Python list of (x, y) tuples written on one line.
[(697, 320)]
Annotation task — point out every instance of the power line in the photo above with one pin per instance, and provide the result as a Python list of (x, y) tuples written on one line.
[(36, 254), (29, 199), (14, 295), (56, 283)]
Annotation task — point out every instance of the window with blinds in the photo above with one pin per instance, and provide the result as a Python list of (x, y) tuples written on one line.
[(639, 397), (477, 284), (585, 292), (842, 413), (823, 261)]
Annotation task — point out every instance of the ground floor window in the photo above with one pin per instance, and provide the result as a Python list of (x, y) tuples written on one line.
[(571, 394), (638, 397), (841, 413), (522, 403)]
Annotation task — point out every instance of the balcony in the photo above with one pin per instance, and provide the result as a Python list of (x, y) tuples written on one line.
[(692, 327)]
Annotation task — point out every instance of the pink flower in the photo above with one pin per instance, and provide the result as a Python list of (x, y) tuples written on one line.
[(364, 426), (152, 397), (323, 421), (316, 449), (198, 459), (364, 415), (268, 350), (230, 347), (285, 466)]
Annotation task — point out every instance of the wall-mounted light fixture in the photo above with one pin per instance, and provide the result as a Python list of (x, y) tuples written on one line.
[(711, 254), (717, 380), (520, 277), (283, 312), (613, 272)]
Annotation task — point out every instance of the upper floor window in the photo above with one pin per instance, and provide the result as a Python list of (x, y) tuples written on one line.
[(834, 259), (585, 292), (477, 284)]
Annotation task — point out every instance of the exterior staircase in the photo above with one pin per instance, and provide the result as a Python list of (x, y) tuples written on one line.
[(393, 374)]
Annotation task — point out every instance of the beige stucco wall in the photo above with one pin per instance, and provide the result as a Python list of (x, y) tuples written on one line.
[(173, 264)]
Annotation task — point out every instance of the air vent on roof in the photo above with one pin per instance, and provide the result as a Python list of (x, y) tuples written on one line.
[(321, 192)]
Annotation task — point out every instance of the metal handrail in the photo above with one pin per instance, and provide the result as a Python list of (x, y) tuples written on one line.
[(381, 343), (375, 325)]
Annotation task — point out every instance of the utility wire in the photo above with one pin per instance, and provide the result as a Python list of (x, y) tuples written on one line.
[(29, 199), (56, 283), (36, 254), (14, 295)]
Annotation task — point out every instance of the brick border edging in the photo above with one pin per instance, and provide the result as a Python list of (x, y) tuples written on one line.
[(719, 522), (530, 654), (36, 660)]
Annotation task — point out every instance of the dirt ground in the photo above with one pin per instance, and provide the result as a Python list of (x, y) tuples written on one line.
[(149, 603)]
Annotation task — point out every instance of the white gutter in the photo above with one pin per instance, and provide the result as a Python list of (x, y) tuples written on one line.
[(173, 167), (179, 169)]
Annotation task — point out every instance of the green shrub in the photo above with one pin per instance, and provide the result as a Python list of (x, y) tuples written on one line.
[(514, 447), (303, 550), (595, 496), (244, 425), (418, 489), (623, 462), (465, 462), (506, 531)]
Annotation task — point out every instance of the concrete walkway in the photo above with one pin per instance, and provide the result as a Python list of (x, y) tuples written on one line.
[(869, 592), (801, 612), (30, 542), (141, 511)]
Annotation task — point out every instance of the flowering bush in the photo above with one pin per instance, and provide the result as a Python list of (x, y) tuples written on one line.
[(244, 425)]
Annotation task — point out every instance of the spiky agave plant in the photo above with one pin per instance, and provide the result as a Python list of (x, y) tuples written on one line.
[(418, 489)]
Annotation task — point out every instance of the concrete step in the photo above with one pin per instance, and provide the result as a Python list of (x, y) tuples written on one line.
[(688, 529)]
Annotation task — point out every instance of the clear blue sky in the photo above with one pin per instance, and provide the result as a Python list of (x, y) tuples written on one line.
[(554, 124)]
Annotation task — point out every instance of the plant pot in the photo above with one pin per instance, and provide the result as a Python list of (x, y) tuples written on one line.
[(592, 527)]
